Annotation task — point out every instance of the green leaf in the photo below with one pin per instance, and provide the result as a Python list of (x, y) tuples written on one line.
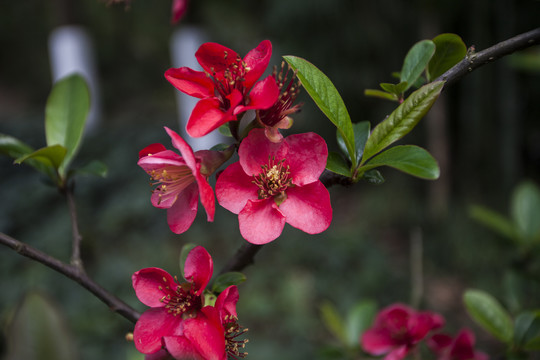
[(38, 332), (327, 98), (361, 133), (410, 159), (65, 115), (333, 321), (381, 94), (94, 167), (15, 148), (359, 319), (416, 61), (402, 120), (449, 50), (527, 330), (184, 254), (50, 157), (525, 210), (337, 164), (373, 177), (494, 221), (225, 280), (225, 130), (488, 313)]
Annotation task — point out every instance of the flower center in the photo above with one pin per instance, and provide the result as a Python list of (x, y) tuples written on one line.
[(273, 180), (233, 78), (180, 301), (233, 347), (170, 180)]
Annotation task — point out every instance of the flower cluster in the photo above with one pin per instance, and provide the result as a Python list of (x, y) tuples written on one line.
[(179, 324), (399, 329)]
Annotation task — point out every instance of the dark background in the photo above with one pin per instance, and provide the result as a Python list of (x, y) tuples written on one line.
[(484, 131)]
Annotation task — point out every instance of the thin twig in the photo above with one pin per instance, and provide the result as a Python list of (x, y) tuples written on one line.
[(73, 272), (244, 256), (77, 238)]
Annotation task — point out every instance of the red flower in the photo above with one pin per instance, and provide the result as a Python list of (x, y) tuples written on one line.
[(397, 330), (212, 334), (459, 348), (170, 302), (180, 180), (179, 9), (227, 87), (275, 183)]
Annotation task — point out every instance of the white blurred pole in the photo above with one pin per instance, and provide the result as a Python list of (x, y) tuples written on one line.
[(71, 51), (184, 43)]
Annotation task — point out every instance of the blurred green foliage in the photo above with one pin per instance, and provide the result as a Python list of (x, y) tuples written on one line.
[(492, 131)]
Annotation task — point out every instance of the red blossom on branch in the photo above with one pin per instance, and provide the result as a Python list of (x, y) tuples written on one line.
[(227, 87), (179, 9), (180, 180), (459, 348), (397, 330), (277, 183)]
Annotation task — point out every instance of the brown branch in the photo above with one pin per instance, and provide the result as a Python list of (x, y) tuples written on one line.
[(73, 272), (77, 238), (245, 255)]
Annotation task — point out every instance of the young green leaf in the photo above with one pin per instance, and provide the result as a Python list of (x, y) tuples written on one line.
[(449, 50), (494, 221), (416, 61), (49, 156), (327, 98), (488, 313), (225, 280), (333, 321), (410, 159), (527, 330), (525, 211), (402, 120), (380, 94), (361, 133), (65, 115), (335, 163), (359, 319), (16, 149)]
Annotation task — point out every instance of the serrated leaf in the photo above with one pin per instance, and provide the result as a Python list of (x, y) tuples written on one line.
[(402, 120), (525, 210), (38, 332), (327, 98), (227, 279), (184, 254), (487, 312), (380, 94), (50, 157), (416, 61), (361, 133), (494, 221), (335, 163), (333, 322), (410, 159), (359, 319), (449, 50), (527, 330), (65, 115)]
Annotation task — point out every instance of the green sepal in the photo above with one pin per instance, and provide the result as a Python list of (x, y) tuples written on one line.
[(65, 116), (487, 312), (327, 98), (416, 61), (449, 50), (410, 159), (227, 279), (336, 164), (402, 120)]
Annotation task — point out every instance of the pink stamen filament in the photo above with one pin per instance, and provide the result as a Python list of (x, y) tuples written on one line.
[(171, 180)]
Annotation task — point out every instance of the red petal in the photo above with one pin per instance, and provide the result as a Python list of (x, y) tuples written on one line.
[(152, 326), (377, 341), (181, 214), (206, 116), (215, 58), (151, 284), (439, 342), (463, 347), (308, 208), (160, 160), (179, 8), (398, 353), (191, 82), (207, 335), (257, 60), (307, 157), (255, 151), (185, 149), (261, 221), (181, 348), (198, 268), (234, 188), (422, 323), (151, 149), (226, 302), (160, 355), (263, 95)]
